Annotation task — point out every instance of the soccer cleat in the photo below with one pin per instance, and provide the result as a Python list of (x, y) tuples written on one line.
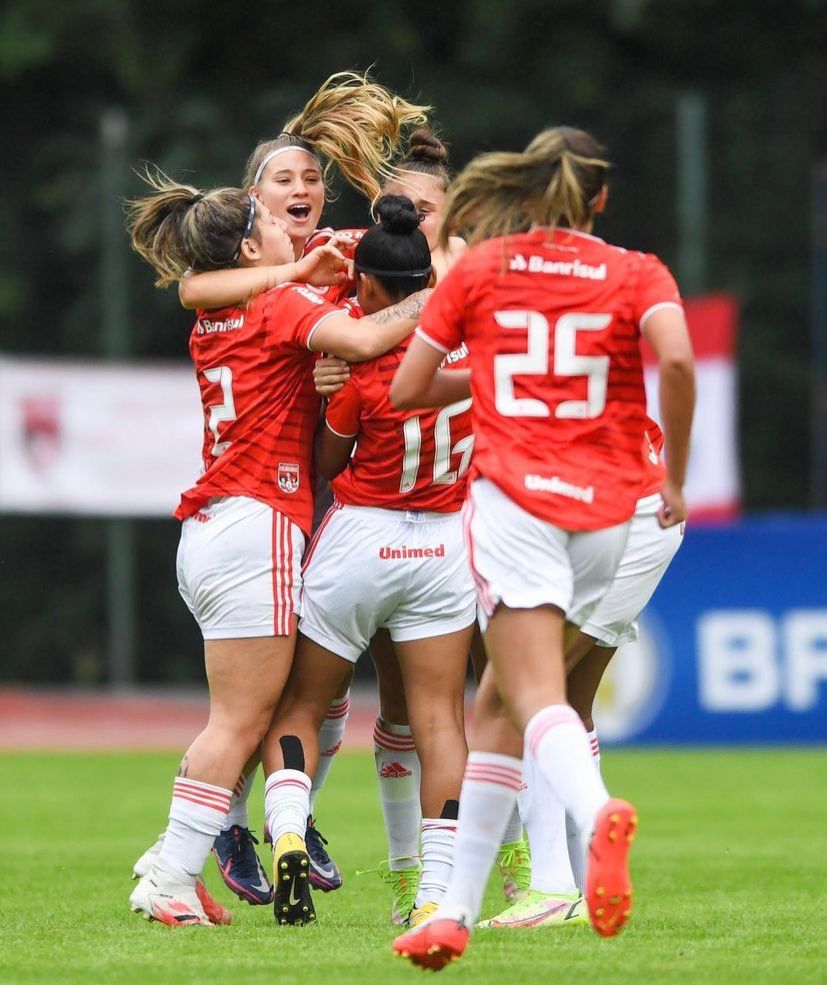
[(514, 866), (216, 913), (169, 896), (147, 860), (404, 885), (537, 909), (419, 914), (324, 873), (240, 867), (608, 887), (433, 944), (292, 900)]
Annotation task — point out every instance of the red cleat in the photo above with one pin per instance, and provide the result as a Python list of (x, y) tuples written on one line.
[(216, 913), (433, 945), (608, 886)]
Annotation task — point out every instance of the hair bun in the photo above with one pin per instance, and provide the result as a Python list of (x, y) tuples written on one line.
[(397, 214), (424, 146)]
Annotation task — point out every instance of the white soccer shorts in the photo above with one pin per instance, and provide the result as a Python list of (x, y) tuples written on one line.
[(648, 552), (239, 568), (368, 567), (525, 562)]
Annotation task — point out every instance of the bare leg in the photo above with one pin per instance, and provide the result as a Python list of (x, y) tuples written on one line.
[(433, 672), (315, 679)]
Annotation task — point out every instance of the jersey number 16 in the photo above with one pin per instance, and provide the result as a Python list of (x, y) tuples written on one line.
[(443, 474)]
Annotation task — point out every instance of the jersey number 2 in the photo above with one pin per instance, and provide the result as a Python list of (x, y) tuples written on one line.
[(221, 413), (443, 474), (535, 362)]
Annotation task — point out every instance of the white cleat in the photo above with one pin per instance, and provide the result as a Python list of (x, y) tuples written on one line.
[(170, 896), (148, 859)]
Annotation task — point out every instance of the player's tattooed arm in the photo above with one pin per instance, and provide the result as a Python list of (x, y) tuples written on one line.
[(410, 307), (366, 338), (184, 768)]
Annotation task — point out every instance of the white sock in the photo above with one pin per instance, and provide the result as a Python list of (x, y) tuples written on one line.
[(397, 769), (556, 741), (196, 817), (514, 828), (577, 858), (331, 735), (547, 838), (594, 745), (238, 805), (287, 803), (488, 797), (438, 839)]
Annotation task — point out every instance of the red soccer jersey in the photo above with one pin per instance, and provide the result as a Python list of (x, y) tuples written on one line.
[(404, 460), (654, 468), (552, 322), (261, 409)]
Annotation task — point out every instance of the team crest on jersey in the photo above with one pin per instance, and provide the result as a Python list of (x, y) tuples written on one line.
[(288, 477)]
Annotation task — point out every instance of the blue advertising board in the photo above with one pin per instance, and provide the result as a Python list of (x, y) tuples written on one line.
[(733, 646)]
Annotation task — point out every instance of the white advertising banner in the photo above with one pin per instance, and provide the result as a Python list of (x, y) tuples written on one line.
[(97, 438)]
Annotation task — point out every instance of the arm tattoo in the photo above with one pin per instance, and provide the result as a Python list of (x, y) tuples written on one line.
[(184, 768), (408, 308)]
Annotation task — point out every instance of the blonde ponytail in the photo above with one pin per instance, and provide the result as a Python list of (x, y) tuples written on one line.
[(554, 181), (353, 123)]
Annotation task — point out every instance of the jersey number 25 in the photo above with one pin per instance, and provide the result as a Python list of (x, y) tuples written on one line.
[(535, 362)]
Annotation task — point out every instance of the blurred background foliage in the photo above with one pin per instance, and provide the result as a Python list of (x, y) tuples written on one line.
[(201, 82)]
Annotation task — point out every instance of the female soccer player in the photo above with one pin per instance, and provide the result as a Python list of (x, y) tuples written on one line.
[(354, 124), (351, 123), (245, 521), (389, 553), (423, 175), (557, 862), (552, 319)]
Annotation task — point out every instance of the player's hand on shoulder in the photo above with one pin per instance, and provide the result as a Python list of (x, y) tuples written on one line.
[(323, 266), (673, 510), (330, 374)]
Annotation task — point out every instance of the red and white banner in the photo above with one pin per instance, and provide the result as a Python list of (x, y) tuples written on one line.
[(109, 439), (713, 483), (97, 438)]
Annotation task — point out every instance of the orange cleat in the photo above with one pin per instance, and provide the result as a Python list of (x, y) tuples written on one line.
[(608, 886), (434, 944)]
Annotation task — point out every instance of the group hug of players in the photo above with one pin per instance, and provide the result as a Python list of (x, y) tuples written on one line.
[(480, 414)]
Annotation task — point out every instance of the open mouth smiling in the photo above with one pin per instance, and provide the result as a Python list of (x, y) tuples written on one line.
[(300, 213)]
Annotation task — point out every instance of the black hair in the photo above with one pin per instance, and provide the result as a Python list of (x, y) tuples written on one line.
[(395, 250)]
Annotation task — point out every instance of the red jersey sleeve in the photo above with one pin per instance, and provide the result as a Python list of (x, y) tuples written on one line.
[(345, 411), (656, 289), (294, 312), (443, 321)]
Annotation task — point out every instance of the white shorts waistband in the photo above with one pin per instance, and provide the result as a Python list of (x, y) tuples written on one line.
[(411, 516)]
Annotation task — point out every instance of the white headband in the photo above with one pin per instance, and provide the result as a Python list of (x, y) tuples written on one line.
[(275, 153)]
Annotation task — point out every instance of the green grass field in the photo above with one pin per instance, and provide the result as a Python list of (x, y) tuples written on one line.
[(730, 872)]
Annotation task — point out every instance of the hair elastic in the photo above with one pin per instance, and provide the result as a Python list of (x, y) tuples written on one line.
[(251, 215), (275, 153), (392, 273)]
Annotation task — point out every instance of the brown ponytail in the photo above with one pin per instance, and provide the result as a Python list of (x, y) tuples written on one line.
[(554, 181), (353, 123), (180, 228)]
